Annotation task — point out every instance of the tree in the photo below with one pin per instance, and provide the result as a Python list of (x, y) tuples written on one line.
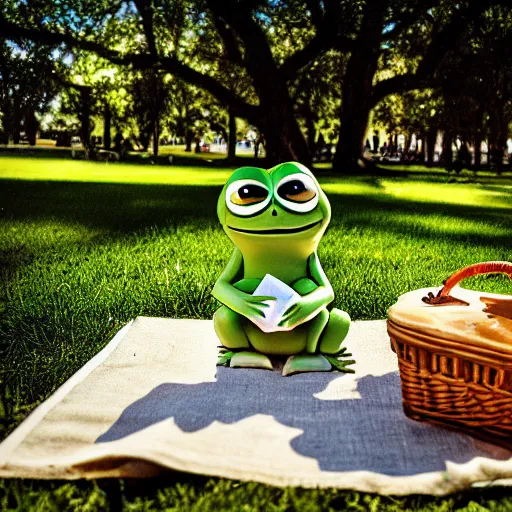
[(150, 98), (26, 88), (419, 34), (211, 43), (317, 96), (241, 29), (473, 98), (188, 108), (93, 87)]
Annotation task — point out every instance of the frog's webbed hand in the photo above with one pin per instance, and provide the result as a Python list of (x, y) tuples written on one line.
[(240, 302), (312, 303)]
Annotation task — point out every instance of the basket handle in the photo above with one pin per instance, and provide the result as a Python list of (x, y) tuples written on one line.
[(490, 267)]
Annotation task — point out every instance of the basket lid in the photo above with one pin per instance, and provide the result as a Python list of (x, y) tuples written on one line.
[(485, 322)]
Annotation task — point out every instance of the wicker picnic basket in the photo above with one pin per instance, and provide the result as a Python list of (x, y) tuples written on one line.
[(454, 353)]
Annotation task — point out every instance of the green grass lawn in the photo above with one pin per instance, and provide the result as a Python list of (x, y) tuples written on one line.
[(87, 246)]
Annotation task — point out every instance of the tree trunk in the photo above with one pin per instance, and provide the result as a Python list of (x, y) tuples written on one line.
[(407, 142), (107, 122), (16, 126), (232, 136), (488, 161), (477, 139), (431, 143), (156, 136), (189, 135), (285, 141), (357, 90), (12, 121), (5, 131), (276, 117), (31, 127), (493, 138), (311, 131), (85, 117), (447, 151), (501, 139), (156, 109), (478, 153), (421, 153), (156, 141), (354, 121), (118, 140)]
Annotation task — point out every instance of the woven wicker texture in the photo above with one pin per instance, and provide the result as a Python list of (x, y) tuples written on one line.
[(455, 361)]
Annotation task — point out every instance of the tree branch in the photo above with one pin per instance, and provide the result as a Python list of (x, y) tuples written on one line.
[(447, 39), (10, 30), (258, 59), (317, 13), (321, 41), (146, 13), (442, 42), (65, 83), (224, 95), (408, 18), (229, 39), (138, 61), (327, 36), (399, 84)]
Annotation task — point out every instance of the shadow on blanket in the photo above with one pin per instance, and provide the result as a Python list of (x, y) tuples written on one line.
[(367, 433)]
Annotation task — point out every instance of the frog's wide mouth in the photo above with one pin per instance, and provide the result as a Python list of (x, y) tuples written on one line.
[(282, 231)]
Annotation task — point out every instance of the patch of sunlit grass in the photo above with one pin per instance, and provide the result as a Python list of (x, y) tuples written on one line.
[(470, 194), (102, 172)]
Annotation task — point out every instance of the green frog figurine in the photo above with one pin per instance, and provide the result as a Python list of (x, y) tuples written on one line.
[(276, 218)]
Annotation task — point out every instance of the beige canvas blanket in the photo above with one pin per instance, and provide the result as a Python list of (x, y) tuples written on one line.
[(153, 399)]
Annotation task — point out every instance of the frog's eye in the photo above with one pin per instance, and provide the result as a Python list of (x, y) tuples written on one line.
[(298, 192), (247, 197)]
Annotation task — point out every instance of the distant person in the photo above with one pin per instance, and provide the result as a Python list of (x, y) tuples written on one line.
[(127, 144), (260, 141), (463, 155), (375, 142), (118, 140), (499, 153)]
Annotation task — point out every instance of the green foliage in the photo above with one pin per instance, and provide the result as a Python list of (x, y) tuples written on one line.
[(317, 96), (471, 98), (26, 88), (282, 65), (412, 112)]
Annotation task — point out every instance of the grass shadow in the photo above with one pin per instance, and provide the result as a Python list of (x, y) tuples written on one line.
[(120, 209)]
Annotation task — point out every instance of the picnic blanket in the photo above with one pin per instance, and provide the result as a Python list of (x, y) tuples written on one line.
[(154, 399)]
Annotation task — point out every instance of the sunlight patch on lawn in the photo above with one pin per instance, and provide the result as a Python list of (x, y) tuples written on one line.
[(446, 193), (79, 170)]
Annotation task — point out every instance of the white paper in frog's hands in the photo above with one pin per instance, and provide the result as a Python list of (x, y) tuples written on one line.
[(285, 296)]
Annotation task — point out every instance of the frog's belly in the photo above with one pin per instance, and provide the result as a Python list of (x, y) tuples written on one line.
[(284, 343)]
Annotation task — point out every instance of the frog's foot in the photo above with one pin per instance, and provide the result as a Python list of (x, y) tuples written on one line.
[(243, 359), (340, 361), (306, 363)]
